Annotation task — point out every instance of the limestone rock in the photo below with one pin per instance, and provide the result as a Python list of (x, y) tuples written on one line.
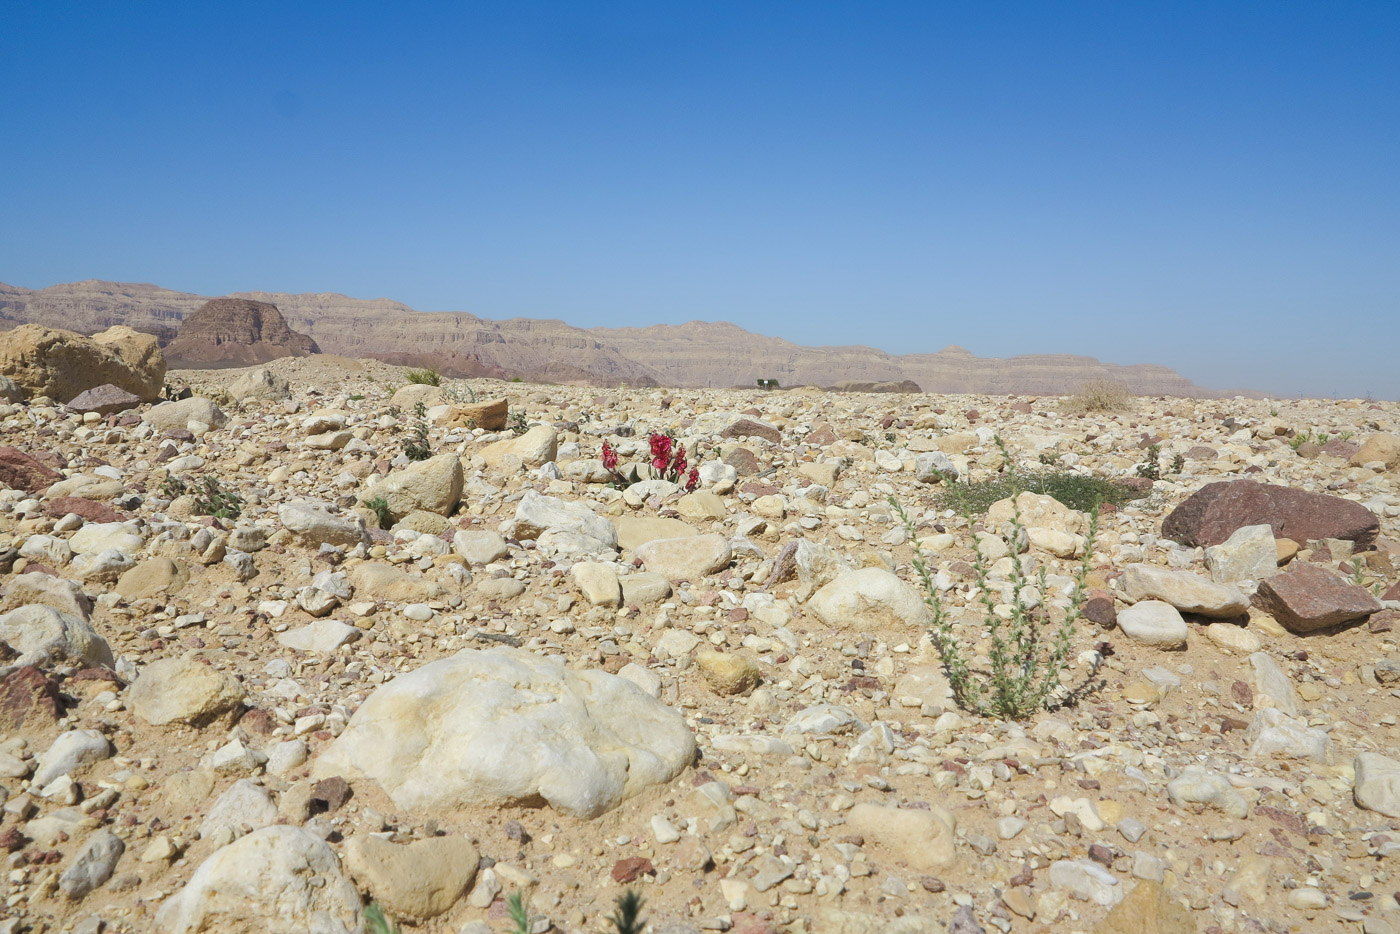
[(1250, 553), (61, 364), (315, 524), (688, 559), (1376, 786), (184, 690), (433, 485), (598, 582), (729, 673), (152, 576), (1214, 512), (489, 416), (480, 547), (93, 865), (1153, 622), (1308, 597), (1147, 909), (34, 588), (635, 531), (1189, 593), (535, 447), (563, 526), (43, 636), (278, 880), (506, 726), (243, 804), (921, 839), (180, 413), (869, 598), (1380, 447), (421, 880), (1197, 784), (261, 384)]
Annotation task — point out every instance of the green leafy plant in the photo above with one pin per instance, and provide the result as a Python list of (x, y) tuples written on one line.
[(1151, 467), (418, 447), (1178, 462), (1027, 653), (380, 507), (212, 499), (518, 424), (424, 377), (1299, 439), (627, 913), (356, 397), (518, 908), (1077, 491), (377, 923), (1346, 435), (172, 487)]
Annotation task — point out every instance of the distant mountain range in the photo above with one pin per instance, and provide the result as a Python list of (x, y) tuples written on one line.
[(695, 354)]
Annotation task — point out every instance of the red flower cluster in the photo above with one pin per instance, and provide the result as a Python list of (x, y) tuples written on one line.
[(667, 459)]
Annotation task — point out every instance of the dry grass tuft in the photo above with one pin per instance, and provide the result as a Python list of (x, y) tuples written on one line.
[(1100, 395)]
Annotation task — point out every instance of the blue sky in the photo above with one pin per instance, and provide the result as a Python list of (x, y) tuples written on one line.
[(1210, 186)]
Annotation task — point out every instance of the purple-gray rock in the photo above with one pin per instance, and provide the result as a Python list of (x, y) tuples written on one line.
[(1308, 597), (106, 399), (1214, 512)]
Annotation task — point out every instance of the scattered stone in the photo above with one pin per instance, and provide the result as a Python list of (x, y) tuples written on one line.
[(421, 880), (920, 839), (1376, 786), (44, 636), (1189, 593), (1250, 553), (183, 690), (93, 865), (1307, 597), (870, 598), (106, 399), (685, 559), (1155, 623), (729, 673)]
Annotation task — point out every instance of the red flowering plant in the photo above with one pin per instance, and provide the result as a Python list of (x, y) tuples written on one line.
[(668, 462)]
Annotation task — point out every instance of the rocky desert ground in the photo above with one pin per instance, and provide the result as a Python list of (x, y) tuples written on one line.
[(231, 702)]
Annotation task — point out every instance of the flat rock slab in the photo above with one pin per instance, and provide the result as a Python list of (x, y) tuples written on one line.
[(1188, 592), (1214, 512), (1309, 597), (106, 399)]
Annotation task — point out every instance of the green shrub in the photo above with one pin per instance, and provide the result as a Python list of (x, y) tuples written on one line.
[(1151, 467), (380, 507), (1027, 652), (627, 914), (418, 447), (519, 911), (377, 923), (424, 377)]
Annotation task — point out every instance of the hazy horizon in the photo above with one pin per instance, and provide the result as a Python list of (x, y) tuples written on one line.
[(1202, 187)]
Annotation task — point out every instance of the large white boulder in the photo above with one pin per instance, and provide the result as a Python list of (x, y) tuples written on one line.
[(869, 598), (506, 726), (42, 635), (433, 485), (278, 880)]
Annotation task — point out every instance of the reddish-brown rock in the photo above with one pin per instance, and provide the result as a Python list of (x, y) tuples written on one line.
[(748, 428), (28, 700), (228, 332), (1308, 597), (19, 471), (89, 509), (1215, 511)]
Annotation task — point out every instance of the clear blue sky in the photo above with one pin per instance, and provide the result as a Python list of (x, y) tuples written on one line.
[(1213, 186)]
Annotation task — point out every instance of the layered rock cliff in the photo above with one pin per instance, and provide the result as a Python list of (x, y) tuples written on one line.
[(692, 354), (228, 332)]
